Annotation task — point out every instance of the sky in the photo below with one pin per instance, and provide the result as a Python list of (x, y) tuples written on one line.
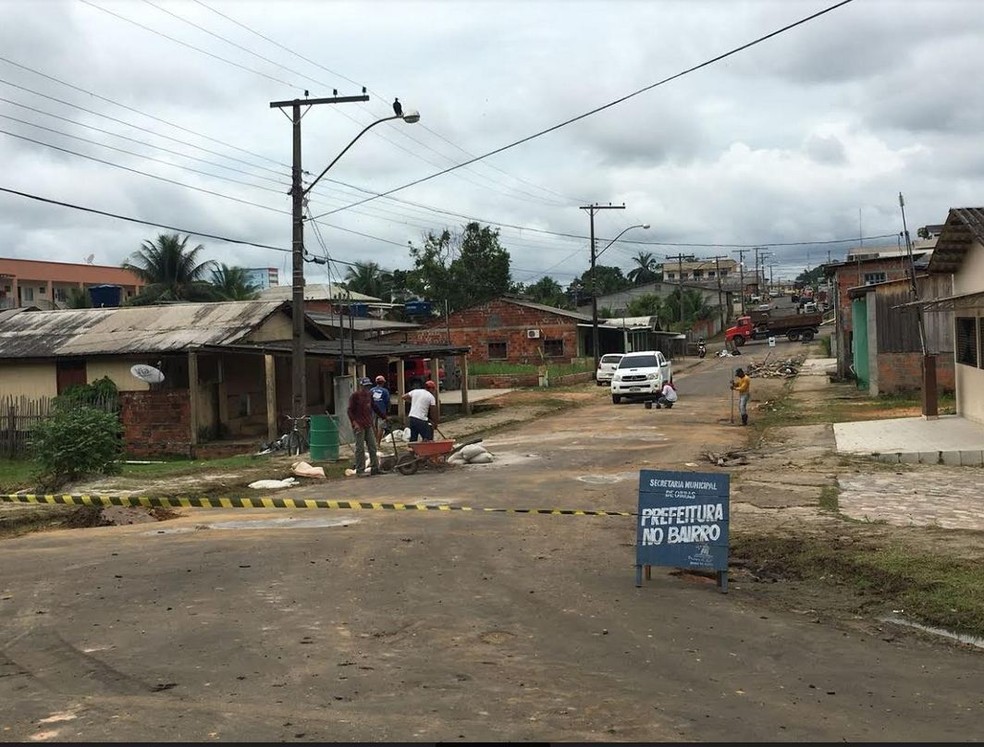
[(800, 144)]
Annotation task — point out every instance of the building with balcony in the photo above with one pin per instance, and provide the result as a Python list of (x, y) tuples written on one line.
[(48, 285)]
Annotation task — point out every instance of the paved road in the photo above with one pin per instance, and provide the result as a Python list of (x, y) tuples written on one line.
[(440, 626)]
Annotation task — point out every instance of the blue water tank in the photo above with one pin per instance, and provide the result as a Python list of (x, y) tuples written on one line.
[(359, 309), (106, 295), (417, 308)]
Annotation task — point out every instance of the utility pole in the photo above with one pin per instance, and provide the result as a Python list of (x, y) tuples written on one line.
[(592, 209), (679, 258), (717, 272), (297, 364), (741, 275)]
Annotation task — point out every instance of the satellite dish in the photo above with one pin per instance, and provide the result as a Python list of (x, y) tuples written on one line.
[(147, 373), (89, 259)]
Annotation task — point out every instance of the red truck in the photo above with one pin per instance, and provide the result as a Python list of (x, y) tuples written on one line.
[(415, 372), (792, 326)]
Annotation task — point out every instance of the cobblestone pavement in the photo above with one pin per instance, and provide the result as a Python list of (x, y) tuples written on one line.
[(947, 497), (927, 495)]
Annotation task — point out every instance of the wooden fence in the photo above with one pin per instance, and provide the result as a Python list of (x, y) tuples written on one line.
[(19, 415)]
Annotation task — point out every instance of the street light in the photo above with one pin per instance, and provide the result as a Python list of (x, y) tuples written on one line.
[(298, 193), (594, 288)]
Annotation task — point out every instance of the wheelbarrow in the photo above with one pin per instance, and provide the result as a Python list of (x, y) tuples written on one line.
[(432, 454)]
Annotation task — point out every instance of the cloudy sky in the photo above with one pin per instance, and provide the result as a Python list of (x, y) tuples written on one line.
[(160, 110)]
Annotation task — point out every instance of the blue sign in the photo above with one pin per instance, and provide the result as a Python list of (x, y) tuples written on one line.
[(683, 522)]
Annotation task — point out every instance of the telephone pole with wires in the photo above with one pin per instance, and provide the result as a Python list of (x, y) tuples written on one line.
[(592, 209), (741, 275)]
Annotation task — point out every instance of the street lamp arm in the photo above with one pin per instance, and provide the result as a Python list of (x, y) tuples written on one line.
[(364, 131), (641, 225)]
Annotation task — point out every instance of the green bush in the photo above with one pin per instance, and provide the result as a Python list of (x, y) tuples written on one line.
[(76, 442)]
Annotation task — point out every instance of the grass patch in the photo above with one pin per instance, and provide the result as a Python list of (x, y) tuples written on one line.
[(480, 368), (828, 498), (15, 474), (182, 467), (935, 590)]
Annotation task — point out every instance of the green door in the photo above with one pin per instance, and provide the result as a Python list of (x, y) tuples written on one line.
[(859, 347)]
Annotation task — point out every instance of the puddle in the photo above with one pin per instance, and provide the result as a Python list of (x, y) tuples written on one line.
[(973, 641), (608, 479), (287, 523)]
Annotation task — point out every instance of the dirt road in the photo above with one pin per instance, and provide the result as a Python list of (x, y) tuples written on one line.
[(381, 625)]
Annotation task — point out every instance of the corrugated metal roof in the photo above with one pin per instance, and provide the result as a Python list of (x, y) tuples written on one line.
[(316, 292), (130, 329), (549, 309), (963, 226), (361, 324)]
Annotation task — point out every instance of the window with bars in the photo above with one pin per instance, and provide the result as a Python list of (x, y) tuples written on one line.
[(870, 278), (553, 348), (966, 340), (497, 351)]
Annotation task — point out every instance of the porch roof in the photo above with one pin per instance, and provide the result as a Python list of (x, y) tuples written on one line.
[(363, 349), (125, 330), (950, 303)]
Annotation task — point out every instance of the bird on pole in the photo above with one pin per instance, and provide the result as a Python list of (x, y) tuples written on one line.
[(398, 107)]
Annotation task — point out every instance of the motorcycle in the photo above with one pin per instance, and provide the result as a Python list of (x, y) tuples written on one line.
[(701, 349)]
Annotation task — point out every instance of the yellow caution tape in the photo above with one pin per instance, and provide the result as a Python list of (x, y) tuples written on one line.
[(151, 502)]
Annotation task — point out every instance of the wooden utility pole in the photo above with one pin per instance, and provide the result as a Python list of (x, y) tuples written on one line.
[(298, 372), (592, 209)]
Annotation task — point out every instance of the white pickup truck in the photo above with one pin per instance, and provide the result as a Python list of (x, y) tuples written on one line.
[(640, 376)]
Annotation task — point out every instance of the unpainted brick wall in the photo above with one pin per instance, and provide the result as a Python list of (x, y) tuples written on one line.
[(156, 423), (902, 372)]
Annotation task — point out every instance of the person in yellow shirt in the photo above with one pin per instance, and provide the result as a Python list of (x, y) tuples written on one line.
[(742, 384)]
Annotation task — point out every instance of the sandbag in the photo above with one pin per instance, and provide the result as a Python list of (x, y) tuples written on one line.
[(456, 459), (483, 458), (472, 450), (274, 484)]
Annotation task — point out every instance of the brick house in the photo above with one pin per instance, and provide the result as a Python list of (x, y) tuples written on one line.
[(888, 344), (510, 330), (877, 265)]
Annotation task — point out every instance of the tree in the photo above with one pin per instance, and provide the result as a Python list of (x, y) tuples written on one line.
[(233, 284), (648, 305), (368, 278), (463, 269), (645, 269), (547, 291), (810, 278), (170, 272), (609, 280), (694, 306)]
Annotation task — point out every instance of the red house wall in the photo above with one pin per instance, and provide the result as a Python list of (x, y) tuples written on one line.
[(500, 321)]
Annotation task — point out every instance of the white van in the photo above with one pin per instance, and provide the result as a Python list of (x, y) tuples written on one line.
[(640, 376)]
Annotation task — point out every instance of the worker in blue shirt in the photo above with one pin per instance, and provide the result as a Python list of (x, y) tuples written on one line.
[(380, 407)]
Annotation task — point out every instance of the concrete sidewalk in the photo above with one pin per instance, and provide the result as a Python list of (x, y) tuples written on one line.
[(949, 439)]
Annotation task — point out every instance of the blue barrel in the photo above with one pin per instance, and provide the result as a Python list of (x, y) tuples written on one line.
[(324, 437)]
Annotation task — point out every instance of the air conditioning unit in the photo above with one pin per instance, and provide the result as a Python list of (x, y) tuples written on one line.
[(533, 334)]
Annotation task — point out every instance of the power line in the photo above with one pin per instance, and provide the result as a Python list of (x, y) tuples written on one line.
[(189, 231), (140, 142), (603, 107), (278, 80), (375, 93), (129, 124), (179, 229), (143, 173), (139, 155)]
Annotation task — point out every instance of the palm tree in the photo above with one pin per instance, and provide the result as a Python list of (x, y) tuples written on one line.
[(367, 278), (170, 272), (233, 284), (645, 269)]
